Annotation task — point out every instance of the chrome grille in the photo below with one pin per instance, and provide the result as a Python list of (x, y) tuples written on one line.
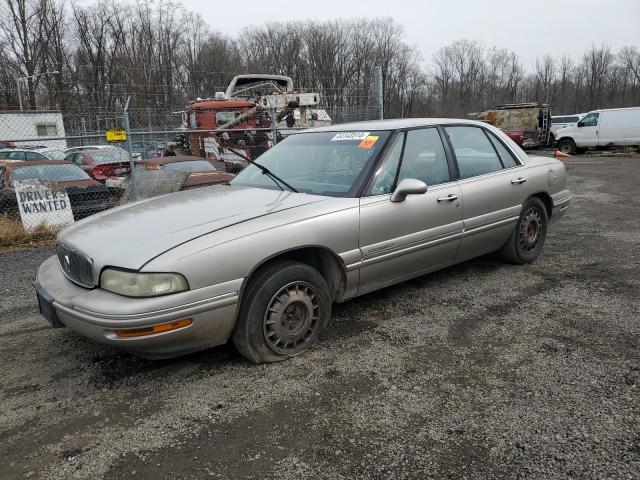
[(77, 267)]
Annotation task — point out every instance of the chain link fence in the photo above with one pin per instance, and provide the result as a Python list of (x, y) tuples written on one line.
[(57, 168)]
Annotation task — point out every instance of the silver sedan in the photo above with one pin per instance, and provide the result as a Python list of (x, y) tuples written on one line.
[(325, 216)]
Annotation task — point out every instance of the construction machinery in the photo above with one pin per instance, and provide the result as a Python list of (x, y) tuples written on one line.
[(241, 122)]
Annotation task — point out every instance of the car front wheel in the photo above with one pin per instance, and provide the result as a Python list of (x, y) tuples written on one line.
[(527, 239), (568, 146), (285, 307)]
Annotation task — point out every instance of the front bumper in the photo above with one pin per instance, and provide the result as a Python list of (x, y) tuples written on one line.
[(97, 314), (561, 201)]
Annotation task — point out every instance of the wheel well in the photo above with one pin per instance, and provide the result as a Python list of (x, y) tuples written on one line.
[(546, 199), (323, 260)]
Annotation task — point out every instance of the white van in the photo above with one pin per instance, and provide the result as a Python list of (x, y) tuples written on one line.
[(564, 121), (601, 128)]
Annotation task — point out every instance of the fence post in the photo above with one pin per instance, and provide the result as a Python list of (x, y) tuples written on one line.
[(132, 174), (377, 91), (84, 130), (274, 126)]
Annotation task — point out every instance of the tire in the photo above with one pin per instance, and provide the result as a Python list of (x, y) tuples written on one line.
[(527, 239), (285, 307), (567, 145)]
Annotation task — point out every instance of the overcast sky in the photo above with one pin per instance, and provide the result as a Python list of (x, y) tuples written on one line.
[(530, 28)]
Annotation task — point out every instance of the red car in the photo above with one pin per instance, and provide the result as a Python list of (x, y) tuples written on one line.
[(86, 195), (201, 171), (103, 163)]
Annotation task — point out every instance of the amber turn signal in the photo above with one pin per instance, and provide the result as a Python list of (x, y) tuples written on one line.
[(164, 327)]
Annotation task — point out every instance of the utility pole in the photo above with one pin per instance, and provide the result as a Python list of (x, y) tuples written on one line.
[(378, 91), (127, 129)]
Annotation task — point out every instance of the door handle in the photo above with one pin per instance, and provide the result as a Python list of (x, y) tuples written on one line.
[(519, 180), (449, 198)]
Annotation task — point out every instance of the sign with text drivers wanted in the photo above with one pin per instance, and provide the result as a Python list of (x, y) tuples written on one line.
[(41, 205)]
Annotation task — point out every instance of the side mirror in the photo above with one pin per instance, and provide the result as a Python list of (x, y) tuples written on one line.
[(581, 124), (408, 186)]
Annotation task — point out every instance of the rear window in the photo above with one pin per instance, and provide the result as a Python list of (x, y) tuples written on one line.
[(190, 166), (48, 173), (109, 156)]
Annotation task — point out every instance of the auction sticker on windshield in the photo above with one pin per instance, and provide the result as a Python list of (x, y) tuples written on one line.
[(349, 136), (42, 206), (369, 142)]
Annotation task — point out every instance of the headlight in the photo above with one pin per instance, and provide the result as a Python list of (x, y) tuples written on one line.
[(135, 284)]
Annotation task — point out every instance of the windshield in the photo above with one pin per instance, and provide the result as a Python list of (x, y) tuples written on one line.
[(190, 166), (49, 173), (54, 154), (321, 163), (109, 155)]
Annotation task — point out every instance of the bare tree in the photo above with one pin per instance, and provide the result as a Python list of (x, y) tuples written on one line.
[(24, 35)]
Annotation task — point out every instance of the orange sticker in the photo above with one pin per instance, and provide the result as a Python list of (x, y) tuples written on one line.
[(369, 141)]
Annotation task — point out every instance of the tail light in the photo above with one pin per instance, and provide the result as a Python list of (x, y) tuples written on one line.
[(103, 170)]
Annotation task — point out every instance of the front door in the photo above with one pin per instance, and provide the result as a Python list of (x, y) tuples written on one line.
[(405, 239), (587, 131)]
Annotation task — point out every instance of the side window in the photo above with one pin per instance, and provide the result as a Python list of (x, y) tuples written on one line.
[(77, 158), (505, 155), (17, 156), (34, 156), (424, 157), (590, 120), (474, 152), (385, 175)]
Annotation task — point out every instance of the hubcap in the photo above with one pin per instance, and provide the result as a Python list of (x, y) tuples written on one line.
[(565, 148), (292, 318), (530, 229)]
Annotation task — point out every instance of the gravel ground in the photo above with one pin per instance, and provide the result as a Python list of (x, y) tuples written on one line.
[(483, 370)]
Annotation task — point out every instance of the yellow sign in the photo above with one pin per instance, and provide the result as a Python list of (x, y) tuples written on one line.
[(116, 135)]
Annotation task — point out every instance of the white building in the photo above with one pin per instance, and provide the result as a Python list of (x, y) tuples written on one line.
[(32, 127)]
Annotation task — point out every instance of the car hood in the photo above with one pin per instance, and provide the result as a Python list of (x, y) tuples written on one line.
[(131, 235)]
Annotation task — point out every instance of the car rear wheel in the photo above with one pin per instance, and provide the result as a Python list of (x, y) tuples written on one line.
[(285, 307), (527, 239), (568, 146)]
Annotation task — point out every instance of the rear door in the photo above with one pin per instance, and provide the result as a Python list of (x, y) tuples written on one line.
[(405, 239), (492, 181)]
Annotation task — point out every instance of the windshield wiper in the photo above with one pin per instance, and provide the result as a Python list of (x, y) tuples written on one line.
[(266, 171)]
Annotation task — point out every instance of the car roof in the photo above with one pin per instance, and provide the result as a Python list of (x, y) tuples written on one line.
[(394, 124), (90, 147), (170, 159), (29, 163)]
